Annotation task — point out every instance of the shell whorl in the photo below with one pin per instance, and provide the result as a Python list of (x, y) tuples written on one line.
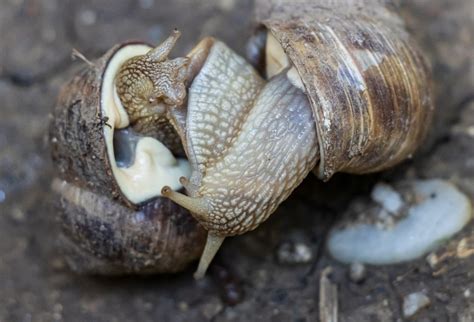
[(367, 82)]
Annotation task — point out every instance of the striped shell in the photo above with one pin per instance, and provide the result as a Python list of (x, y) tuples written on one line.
[(366, 81)]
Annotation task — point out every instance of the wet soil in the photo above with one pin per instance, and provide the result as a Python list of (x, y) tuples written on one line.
[(250, 280)]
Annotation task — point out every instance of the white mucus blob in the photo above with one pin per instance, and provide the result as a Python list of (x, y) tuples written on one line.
[(439, 210), (387, 197)]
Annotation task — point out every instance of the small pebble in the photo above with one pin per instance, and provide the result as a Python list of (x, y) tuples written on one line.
[(414, 302), (58, 264), (467, 293), (294, 253), (146, 4), (58, 307), (227, 5), (87, 17), (470, 130), (465, 248), (147, 306), (229, 285), (183, 306), (212, 308), (432, 260), (443, 297), (18, 215), (357, 272)]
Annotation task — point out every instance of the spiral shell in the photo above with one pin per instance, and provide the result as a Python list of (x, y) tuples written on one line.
[(106, 229), (365, 78)]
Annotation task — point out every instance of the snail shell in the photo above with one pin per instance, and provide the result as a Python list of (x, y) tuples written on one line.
[(111, 223), (366, 80)]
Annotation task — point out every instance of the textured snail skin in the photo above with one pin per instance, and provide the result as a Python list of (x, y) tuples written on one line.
[(102, 231), (148, 85), (250, 143), (143, 80), (152, 90)]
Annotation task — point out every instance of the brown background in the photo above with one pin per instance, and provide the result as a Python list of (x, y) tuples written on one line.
[(36, 38)]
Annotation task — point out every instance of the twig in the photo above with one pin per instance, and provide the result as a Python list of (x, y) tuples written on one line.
[(328, 309), (76, 54)]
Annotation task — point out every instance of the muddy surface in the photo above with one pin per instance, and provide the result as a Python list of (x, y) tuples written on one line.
[(253, 278)]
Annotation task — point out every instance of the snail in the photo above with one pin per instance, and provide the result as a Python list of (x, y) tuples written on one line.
[(328, 88), (111, 219)]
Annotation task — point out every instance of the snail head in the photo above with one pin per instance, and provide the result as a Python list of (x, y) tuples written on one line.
[(148, 84)]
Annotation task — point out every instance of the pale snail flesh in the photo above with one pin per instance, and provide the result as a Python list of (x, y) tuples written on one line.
[(250, 142)]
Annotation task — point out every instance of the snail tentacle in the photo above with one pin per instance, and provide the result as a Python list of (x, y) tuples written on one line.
[(198, 206), (161, 52)]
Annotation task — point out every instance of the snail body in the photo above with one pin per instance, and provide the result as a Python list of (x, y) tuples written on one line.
[(344, 90), (367, 95), (249, 144)]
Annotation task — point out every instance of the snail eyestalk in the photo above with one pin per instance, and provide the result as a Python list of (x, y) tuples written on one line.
[(161, 52), (198, 206)]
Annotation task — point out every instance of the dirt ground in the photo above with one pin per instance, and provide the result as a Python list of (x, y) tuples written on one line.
[(36, 38)]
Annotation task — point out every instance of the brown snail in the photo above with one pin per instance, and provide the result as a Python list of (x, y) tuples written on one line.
[(345, 89), (112, 222)]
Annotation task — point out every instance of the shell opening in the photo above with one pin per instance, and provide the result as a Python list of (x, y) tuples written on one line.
[(140, 165)]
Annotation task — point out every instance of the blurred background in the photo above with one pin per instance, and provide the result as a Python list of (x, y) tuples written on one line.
[(252, 279)]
